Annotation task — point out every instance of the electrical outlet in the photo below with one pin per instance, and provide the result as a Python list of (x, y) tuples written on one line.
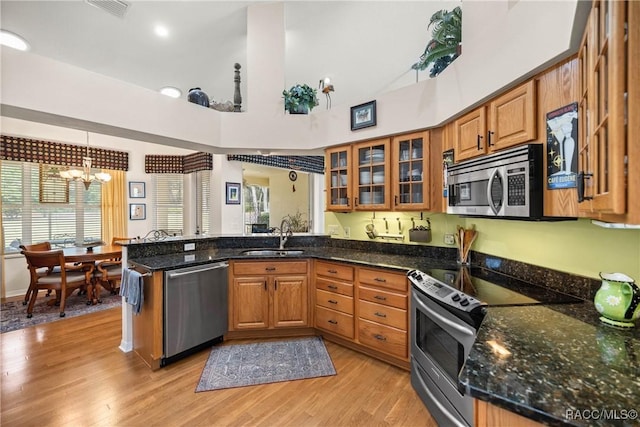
[(189, 246), (449, 240), (347, 232), (333, 230)]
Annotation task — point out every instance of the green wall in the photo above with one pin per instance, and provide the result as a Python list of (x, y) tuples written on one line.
[(576, 247)]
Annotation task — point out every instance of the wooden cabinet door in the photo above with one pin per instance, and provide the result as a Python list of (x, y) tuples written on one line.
[(469, 133), (290, 301), (410, 171), (371, 176), (603, 141), (338, 179), (512, 117), (250, 299)]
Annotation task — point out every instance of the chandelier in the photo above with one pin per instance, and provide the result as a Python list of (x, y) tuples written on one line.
[(84, 175)]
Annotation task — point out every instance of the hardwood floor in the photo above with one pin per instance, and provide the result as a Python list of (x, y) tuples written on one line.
[(71, 372)]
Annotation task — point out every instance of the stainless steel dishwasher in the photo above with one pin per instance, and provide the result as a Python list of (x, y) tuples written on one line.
[(195, 308)]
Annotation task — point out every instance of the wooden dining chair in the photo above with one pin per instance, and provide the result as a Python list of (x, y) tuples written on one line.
[(63, 279), (43, 246), (109, 272)]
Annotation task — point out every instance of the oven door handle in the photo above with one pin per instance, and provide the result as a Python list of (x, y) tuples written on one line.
[(456, 422), (444, 320)]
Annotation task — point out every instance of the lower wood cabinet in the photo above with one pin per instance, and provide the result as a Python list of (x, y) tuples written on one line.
[(364, 308), (383, 318), (334, 298), (488, 415), (268, 294)]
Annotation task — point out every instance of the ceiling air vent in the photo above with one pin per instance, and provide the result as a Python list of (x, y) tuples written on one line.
[(115, 7)]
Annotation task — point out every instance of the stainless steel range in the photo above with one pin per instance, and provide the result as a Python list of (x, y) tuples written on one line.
[(447, 308)]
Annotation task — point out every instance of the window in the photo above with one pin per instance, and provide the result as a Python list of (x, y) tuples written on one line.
[(203, 201), (168, 192), (28, 216)]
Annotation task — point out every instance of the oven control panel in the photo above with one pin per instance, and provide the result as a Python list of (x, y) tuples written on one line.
[(442, 292)]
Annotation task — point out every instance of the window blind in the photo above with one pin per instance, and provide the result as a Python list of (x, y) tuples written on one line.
[(28, 216), (203, 189), (168, 194)]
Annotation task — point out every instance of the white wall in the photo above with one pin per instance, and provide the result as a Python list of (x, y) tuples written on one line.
[(503, 43), (15, 278)]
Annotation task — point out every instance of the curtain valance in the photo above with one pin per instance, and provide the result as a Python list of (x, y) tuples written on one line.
[(313, 164), (58, 153), (178, 164)]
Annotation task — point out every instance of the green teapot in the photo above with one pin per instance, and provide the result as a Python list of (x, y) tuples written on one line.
[(618, 300)]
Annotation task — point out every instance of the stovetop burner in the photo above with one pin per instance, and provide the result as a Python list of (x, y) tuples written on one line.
[(483, 285)]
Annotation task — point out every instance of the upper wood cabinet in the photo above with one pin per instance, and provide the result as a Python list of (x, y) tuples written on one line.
[(609, 113), (410, 171), (508, 120), (371, 176), (338, 178), (358, 176), (381, 174)]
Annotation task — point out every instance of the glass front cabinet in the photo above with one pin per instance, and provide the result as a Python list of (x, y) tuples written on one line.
[(338, 184), (371, 175), (411, 171)]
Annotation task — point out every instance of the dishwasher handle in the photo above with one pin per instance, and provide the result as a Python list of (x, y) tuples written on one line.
[(207, 268)]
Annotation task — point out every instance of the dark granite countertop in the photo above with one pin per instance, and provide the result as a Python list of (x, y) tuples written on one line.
[(563, 365), (192, 258)]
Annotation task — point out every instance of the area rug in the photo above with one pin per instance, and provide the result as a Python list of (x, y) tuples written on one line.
[(13, 315), (266, 362)]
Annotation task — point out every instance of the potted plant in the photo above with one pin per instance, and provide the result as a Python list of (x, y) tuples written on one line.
[(445, 43), (300, 99)]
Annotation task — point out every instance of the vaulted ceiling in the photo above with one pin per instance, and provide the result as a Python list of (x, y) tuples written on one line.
[(365, 47)]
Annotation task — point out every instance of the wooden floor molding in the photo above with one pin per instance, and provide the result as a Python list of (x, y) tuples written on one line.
[(71, 373)]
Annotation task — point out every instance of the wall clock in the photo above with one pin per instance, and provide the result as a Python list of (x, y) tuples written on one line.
[(293, 175)]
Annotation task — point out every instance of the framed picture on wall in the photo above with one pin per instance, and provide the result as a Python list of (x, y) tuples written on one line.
[(233, 193), (136, 190), (137, 211), (363, 115)]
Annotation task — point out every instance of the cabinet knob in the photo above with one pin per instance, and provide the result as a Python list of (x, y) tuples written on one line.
[(381, 298), (489, 133), (334, 287), (331, 301), (582, 176), (479, 139), (377, 313), (270, 268), (333, 322), (380, 279), (380, 337)]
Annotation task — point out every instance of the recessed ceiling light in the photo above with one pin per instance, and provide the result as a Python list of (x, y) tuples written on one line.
[(13, 40), (173, 92), (161, 31)]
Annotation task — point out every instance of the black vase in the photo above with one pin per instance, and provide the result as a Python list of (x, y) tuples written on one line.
[(197, 96), (300, 109)]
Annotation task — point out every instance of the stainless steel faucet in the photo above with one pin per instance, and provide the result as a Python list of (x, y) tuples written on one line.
[(284, 236)]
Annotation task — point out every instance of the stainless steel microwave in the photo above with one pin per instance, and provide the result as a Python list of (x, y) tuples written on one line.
[(506, 184)]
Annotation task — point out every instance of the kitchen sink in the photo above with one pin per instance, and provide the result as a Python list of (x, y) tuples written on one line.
[(272, 252)]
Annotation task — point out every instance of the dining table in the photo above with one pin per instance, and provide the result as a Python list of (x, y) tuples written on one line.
[(88, 256)]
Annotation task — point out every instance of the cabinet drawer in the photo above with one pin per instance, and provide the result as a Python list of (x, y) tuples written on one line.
[(334, 321), (269, 267), (334, 301), (383, 314), (336, 271), (382, 278), (383, 297), (383, 338), (333, 286)]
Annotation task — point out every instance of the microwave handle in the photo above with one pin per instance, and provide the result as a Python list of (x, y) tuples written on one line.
[(489, 184)]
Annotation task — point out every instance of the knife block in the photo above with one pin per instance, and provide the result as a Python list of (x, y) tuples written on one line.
[(423, 236)]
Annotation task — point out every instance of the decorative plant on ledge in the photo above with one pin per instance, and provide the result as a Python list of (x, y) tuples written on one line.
[(300, 99), (445, 43)]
